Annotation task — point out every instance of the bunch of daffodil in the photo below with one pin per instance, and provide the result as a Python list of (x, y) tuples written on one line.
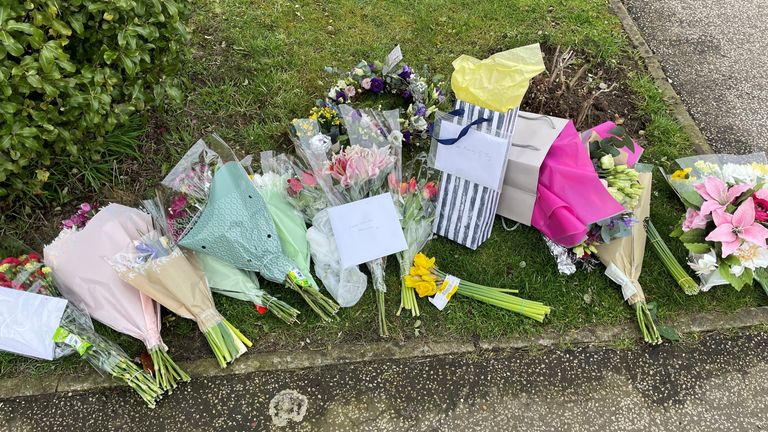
[(425, 278)]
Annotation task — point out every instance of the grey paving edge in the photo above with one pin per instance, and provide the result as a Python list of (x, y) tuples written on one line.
[(342, 354), (653, 65)]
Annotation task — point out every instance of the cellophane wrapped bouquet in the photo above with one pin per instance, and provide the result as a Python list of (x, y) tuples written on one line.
[(368, 167), (74, 332), (725, 224), (421, 91), (214, 208), (165, 273), (82, 274), (415, 200), (306, 194)]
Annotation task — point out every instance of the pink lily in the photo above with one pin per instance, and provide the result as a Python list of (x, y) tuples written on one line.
[(717, 195), (732, 229)]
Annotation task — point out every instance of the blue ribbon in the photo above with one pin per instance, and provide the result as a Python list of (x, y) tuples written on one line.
[(458, 113)]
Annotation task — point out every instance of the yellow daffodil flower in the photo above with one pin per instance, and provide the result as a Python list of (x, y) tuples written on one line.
[(423, 261), (681, 174)]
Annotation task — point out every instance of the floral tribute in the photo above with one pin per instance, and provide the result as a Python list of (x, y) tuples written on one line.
[(725, 225)]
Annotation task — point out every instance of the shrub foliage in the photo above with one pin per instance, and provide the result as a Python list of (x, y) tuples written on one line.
[(71, 71)]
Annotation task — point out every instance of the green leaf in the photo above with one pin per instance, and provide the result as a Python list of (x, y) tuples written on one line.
[(110, 56), (8, 107), (698, 248), (11, 45), (725, 272), (130, 67), (667, 333), (694, 236), (47, 57), (677, 232), (61, 27)]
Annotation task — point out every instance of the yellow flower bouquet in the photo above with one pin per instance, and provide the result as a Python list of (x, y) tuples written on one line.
[(427, 280)]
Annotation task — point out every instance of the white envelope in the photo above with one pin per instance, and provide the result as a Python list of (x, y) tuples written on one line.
[(478, 157), (367, 229)]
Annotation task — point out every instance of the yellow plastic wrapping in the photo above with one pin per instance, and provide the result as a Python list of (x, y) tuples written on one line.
[(498, 82)]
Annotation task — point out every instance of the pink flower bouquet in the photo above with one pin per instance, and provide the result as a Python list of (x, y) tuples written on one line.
[(724, 227)]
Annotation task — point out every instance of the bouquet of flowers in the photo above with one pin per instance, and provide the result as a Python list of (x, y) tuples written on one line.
[(230, 281), (623, 260), (58, 327), (415, 201), (366, 168), (724, 227), (621, 181), (165, 274), (307, 195), (221, 213), (76, 257), (428, 280), (422, 93)]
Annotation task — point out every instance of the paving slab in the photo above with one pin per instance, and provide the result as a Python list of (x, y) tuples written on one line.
[(716, 55), (716, 383)]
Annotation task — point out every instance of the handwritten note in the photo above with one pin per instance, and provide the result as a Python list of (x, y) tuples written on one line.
[(478, 157), (366, 229)]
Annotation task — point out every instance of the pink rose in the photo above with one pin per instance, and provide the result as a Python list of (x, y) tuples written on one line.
[(366, 83), (694, 220), (350, 91)]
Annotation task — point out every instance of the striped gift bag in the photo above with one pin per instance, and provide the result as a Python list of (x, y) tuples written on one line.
[(466, 210)]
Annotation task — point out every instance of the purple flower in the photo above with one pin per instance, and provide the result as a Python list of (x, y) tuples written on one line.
[(85, 207), (430, 126), (407, 95), (406, 137), (421, 110), (341, 97), (406, 72), (377, 85), (372, 67)]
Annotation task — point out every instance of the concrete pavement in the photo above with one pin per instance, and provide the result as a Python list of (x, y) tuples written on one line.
[(716, 55), (718, 383)]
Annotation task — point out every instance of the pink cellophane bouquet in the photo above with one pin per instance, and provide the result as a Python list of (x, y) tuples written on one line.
[(77, 257)]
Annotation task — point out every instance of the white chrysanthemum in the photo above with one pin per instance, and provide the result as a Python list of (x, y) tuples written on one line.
[(739, 174)]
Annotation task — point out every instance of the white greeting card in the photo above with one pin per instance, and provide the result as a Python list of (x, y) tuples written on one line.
[(366, 229), (478, 157)]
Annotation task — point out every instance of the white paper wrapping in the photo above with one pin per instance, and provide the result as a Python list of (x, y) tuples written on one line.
[(28, 321)]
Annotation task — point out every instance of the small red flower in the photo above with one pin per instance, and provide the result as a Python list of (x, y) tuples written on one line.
[(412, 185), (261, 309), (33, 256), (761, 209), (6, 284), (295, 184), (11, 261)]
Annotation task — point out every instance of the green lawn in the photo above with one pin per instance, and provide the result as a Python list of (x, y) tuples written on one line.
[(256, 65)]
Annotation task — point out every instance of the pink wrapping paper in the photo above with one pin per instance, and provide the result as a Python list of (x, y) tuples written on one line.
[(85, 277), (602, 130), (570, 195)]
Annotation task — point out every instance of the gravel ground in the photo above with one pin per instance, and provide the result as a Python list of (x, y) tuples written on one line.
[(718, 383), (714, 53)]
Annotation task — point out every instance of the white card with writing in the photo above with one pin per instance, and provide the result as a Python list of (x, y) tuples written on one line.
[(478, 157), (366, 229), (393, 58)]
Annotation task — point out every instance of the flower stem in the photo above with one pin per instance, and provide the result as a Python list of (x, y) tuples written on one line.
[(685, 282)]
